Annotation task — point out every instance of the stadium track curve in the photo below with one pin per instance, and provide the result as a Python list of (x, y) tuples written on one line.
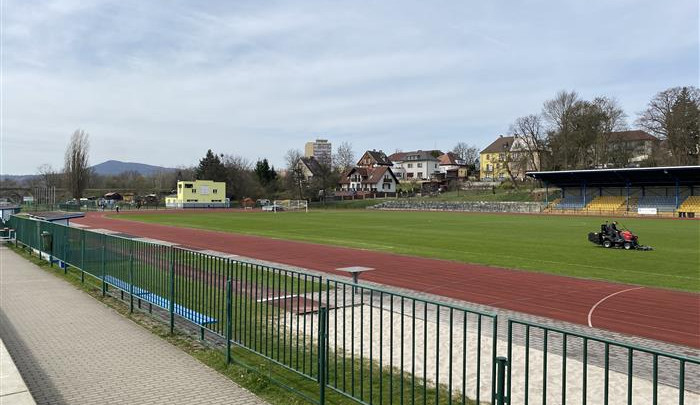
[(666, 315)]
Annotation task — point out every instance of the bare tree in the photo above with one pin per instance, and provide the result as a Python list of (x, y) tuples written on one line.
[(295, 175), (344, 157), (674, 115), (77, 167), (529, 140), (559, 114), (468, 153), (240, 178), (614, 119), (49, 177)]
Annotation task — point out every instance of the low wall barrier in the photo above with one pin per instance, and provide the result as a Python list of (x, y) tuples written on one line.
[(467, 206)]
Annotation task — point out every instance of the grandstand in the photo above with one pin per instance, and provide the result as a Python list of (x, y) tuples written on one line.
[(606, 203), (666, 191), (691, 204)]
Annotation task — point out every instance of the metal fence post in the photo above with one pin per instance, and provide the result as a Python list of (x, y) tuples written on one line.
[(102, 265), (500, 385), (229, 317), (322, 320), (82, 256), (172, 290), (131, 277), (65, 250)]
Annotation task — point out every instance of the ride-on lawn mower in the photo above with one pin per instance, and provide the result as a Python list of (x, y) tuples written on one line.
[(610, 237)]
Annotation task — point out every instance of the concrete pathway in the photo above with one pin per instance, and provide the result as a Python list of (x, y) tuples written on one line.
[(70, 348), (13, 390)]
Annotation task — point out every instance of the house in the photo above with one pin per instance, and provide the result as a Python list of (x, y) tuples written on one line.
[(494, 161), (374, 158), (309, 167), (416, 165), (373, 179), (636, 145), (198, 194), (113, 196), (452, 166)]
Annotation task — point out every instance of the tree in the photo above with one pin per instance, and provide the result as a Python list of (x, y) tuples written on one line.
[(211, 168), (49, 177), (77, 169), (344, 157), (468, 153), (530, 140), (240, 178), (265, 174), (295, 175), (674, 116), (613, 119), (558, 113)]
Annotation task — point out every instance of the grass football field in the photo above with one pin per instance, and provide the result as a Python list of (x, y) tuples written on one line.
[(552, 244)]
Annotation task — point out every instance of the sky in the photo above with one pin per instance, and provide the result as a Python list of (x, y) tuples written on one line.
[(160, 82)]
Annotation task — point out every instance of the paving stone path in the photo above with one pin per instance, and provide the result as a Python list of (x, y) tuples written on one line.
[(70, 348)]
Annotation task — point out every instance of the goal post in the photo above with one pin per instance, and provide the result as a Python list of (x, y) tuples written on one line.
[(292, 205)]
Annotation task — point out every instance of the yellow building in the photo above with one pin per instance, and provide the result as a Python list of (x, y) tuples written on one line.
[(493, 159), (198, 194)]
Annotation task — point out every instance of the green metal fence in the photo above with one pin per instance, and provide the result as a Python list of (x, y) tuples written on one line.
[(363, 343), (390, 348), (553, 365)]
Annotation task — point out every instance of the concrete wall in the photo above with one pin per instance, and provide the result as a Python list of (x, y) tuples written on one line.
[(467, 206)]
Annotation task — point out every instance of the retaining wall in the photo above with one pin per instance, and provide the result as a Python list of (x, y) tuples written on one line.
[(468, 206)]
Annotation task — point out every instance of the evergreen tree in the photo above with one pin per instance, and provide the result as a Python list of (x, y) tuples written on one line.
[(211, 168), (264, 172)]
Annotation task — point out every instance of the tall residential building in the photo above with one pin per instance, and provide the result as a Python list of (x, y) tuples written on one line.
[(320, 150)]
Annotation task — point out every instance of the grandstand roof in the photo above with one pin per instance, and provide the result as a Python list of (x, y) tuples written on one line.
[(643, 176)]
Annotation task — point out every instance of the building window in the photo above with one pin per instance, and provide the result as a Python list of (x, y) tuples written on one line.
[(188, 185), (420, 165), (214, 191), (419, 174), (194, 191), (179, 185), (410, 165)]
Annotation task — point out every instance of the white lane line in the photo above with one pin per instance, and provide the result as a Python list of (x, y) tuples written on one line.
[(276, 298), (590, 313)]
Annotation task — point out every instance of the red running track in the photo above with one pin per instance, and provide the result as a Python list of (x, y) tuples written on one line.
[(666, 315)]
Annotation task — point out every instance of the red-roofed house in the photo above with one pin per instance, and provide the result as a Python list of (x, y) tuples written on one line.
[(452, 166)]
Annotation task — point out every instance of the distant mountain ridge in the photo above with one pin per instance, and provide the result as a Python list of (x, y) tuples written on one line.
[(114, 167)]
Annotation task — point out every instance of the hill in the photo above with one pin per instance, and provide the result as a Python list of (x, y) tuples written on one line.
[(113, 167)]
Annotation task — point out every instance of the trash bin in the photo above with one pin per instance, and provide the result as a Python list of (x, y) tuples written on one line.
[(46, 241)]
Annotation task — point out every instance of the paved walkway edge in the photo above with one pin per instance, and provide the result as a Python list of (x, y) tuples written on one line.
[(13, 390)]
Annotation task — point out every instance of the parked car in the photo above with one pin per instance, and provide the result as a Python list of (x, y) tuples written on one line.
[(273, 207), (261, 202)]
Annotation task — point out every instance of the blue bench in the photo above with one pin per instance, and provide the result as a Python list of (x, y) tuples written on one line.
[(145, 295), (192, 315), (123, 285)]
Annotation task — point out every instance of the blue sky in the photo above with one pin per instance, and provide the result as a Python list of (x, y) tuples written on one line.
[(161, 82)]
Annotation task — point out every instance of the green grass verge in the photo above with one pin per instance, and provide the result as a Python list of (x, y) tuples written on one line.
[(552, 244)]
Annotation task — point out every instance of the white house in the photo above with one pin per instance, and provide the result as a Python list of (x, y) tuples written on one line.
[(374, 179), (416, 165)]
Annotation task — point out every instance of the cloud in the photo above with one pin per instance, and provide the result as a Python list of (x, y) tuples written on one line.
[(162, 84)]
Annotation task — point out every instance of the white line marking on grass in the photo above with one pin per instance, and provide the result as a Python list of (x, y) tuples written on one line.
[(590, 313), (276, 298)]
